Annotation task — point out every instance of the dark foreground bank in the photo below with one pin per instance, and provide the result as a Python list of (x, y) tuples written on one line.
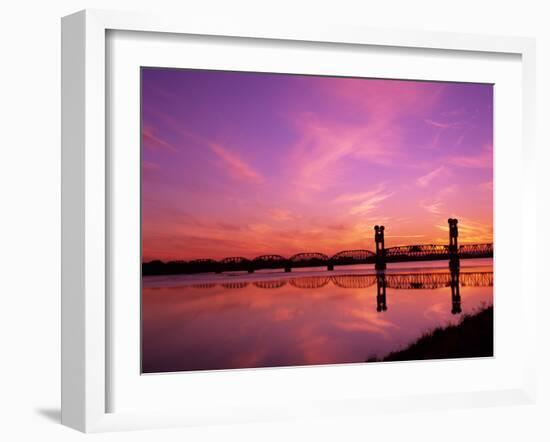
[(472, 337)]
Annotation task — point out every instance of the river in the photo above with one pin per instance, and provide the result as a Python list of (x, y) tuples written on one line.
[(307, 317)]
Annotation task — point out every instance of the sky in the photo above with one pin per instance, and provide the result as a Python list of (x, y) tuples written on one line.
[(245, 164)]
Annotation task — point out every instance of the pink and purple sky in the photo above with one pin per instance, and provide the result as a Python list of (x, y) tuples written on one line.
[(244, 164)]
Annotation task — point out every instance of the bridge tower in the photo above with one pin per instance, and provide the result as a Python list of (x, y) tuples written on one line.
[(380, 250), (455, 291), (454, 261), (381, 292)]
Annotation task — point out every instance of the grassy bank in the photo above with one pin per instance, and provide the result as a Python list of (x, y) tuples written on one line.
[(471, 337)]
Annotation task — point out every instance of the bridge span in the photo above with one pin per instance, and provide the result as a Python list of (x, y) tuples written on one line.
[(380, 257)]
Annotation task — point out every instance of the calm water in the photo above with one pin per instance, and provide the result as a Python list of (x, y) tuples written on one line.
[(311, 316)]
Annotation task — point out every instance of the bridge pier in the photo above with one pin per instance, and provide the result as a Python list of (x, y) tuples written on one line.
[(288, 269), (380, 263), (454, 261), (330, 267)]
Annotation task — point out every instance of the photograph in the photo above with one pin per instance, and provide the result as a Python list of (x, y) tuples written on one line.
[(301, 220)]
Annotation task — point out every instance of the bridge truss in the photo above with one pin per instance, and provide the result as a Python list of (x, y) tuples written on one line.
[(421, 252)]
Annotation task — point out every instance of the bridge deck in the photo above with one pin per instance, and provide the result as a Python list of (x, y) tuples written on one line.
[(425, 252)]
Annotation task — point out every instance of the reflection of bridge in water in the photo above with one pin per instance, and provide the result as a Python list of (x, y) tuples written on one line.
[(406, 281), (382, 255)]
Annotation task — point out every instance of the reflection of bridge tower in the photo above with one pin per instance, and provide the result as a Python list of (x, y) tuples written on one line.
[(381, 292), (454, 261), (380, 250), (455, 291)]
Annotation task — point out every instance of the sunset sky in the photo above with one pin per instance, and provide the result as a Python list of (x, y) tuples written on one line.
[(244, 164)]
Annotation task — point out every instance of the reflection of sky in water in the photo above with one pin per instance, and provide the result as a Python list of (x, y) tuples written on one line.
[(211, 326)]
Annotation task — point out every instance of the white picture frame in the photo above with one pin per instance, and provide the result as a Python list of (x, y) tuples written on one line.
[(86, 203)]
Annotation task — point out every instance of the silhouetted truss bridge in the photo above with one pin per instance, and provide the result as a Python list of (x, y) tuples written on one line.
[(423, 252)]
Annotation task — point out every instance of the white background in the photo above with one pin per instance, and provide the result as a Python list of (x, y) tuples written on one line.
[(30, 221)]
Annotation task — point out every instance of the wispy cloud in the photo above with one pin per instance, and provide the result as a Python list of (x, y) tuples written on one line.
[(470, 231), (441, 128), (438, 200), (482, 160), (476, 162), (282, 215), (229, 159), (365, 202), (354, 197), (389, 99), (151, 140), (235, 165), (434, 207), (324, 146), (442, 124), (369, 205), (460, 111), (426, 179), (328, 141)]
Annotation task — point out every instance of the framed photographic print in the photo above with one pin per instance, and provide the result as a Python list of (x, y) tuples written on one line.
[(261, 196), (264, 223)]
